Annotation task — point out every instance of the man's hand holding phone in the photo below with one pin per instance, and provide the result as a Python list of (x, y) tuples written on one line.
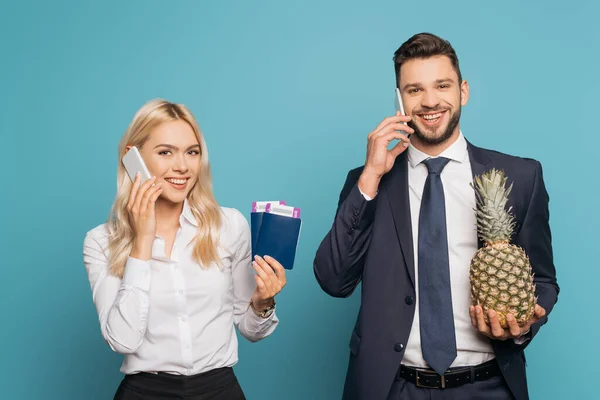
[(380, 160)]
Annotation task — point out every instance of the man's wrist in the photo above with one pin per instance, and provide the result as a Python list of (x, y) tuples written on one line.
[(368, 183)]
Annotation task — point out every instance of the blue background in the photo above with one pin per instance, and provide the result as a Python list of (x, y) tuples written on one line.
[(287, 90)]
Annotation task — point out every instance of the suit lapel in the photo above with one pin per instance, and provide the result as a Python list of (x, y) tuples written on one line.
[(397, 191), (479, 164)]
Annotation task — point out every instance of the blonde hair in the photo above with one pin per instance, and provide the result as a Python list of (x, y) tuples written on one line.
[(201, 200)]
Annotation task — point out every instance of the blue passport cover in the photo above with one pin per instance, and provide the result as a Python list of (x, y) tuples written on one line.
[(276, 236)]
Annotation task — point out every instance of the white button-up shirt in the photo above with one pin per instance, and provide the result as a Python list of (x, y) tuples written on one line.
[(472, 348), (170, 314)]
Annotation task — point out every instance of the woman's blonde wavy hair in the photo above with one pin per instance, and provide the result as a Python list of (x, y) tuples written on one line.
[(200, 199)]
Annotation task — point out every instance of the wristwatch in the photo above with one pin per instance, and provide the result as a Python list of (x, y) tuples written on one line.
[(266, 313)]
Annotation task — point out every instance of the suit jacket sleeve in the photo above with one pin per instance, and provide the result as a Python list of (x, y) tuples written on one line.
[(536, 239), (340, 259)]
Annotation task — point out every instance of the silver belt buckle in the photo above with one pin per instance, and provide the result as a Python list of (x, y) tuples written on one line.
[(419, 384)]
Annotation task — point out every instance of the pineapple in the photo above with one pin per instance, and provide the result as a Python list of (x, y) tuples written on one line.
[(500, 274)]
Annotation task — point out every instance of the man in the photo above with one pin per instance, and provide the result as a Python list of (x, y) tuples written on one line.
[(410, 343)]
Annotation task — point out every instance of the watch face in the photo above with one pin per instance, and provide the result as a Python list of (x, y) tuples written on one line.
[(268, 312)]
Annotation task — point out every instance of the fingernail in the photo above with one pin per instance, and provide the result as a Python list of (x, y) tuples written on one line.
[(509, 318), (478, 310), (405, 144), (254, 263), (137, 174)]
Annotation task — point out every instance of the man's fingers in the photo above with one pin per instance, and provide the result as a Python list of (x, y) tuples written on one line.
[(387, 138), (481, 325), (393, 127), (497, 330), (472, 315), (539, 311), (513, 326), (400, 146), (396, 119)]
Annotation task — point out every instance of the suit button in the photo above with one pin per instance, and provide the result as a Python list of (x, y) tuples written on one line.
[(398, 347), (409, 300), (356, 212)]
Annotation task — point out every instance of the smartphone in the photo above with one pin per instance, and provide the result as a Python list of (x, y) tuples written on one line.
[(399, 104), (133, 162)]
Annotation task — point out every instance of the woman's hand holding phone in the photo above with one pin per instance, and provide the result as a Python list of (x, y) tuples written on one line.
[(141, 204)]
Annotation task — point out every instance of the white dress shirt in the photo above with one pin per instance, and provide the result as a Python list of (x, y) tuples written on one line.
[(170, 314), (472, 348)]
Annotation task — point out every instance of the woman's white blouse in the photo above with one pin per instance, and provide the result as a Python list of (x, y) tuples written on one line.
[(170, 314)]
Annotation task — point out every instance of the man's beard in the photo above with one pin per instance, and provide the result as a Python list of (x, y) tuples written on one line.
[(452, 123)]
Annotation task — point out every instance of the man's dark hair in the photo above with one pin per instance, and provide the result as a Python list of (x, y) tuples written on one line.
[(424, 45)]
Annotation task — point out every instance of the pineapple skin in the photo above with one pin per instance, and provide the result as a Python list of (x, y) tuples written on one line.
[(501, 280)]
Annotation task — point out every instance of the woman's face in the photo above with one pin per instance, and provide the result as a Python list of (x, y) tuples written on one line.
[(172, 155)]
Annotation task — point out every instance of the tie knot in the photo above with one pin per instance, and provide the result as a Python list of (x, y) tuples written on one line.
[(436, 165)]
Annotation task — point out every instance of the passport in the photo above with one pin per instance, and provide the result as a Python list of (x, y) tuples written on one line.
[(275, 230)]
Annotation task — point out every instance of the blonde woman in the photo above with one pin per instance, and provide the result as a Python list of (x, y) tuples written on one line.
[(171, 271)]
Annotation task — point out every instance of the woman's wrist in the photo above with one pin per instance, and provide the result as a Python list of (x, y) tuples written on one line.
[(142, 249)]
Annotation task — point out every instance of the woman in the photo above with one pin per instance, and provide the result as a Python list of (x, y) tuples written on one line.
[(171, 271)]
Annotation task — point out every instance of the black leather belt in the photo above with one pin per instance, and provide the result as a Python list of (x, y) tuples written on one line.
[(426, 378)]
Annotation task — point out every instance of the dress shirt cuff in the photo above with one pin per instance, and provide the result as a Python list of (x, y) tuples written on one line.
[(137, 274), (367, 197), (523, 338), (260, 321)]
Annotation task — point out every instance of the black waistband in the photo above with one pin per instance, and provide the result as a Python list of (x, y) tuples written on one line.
[(453, 377), (165, 384)]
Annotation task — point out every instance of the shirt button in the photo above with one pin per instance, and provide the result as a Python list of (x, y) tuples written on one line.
[(183, 318), (181, 292), (409, 300), (398, 347)]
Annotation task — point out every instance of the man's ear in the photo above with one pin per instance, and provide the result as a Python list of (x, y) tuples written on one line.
[(464, 93)]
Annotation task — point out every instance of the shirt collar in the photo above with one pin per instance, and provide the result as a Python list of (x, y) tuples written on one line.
[(188, 214), (456, 152)]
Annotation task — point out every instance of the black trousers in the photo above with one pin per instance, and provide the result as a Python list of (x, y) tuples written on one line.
[(218, 384)]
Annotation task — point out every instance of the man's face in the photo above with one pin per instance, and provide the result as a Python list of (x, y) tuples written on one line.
[(433, 96)]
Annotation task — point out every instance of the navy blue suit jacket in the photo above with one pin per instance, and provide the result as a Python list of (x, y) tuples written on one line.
[(371, 242)]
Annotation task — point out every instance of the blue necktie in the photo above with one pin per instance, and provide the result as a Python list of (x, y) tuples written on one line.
[(438, 340)]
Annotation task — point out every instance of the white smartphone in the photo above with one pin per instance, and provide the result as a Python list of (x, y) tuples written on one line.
[(133, 162), (399, 104)]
